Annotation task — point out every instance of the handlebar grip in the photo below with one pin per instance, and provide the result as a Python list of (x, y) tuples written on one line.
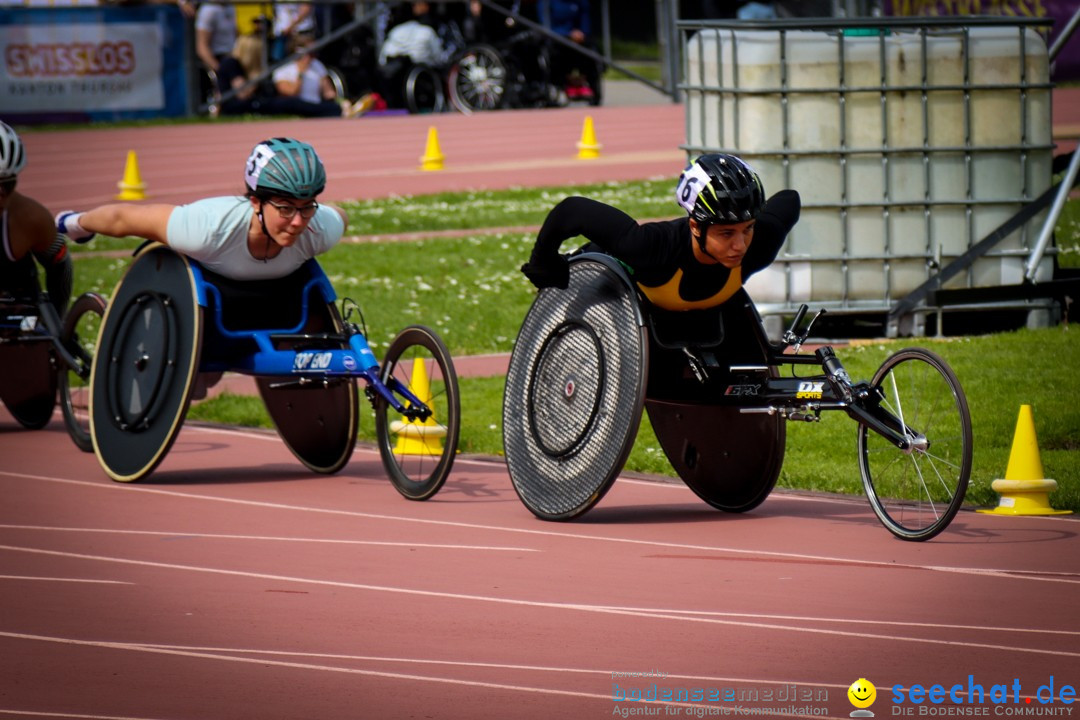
[(799, 315)]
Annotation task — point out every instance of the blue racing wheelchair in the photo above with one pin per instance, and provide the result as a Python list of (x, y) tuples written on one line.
[(173, 327)]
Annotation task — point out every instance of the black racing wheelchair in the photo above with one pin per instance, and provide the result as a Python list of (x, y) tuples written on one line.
[(173, 327), (588, 359), (43, 355)]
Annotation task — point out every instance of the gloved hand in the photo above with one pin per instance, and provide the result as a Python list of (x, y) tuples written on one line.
[(67, 223), (548, 271)]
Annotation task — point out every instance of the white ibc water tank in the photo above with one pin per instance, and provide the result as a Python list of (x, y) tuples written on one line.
[(913, 145)]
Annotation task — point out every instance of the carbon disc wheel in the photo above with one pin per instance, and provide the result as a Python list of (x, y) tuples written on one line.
[(575, 390)]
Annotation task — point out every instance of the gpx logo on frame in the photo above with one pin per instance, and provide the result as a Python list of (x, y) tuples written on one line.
[(1051, 698)]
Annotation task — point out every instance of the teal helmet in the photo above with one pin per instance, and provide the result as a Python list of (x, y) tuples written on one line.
[(285, 167)]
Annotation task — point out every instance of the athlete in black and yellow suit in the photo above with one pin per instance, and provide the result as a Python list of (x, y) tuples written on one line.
[(688, 268), (665, 257)]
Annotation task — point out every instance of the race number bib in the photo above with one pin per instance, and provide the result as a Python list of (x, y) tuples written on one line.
[(691, 183), (255, 164)]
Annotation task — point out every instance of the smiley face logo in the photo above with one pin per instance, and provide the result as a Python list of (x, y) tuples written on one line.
[(862, 693)]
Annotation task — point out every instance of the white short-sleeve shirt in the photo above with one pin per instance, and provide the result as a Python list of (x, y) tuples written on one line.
[(214, 232), (310, 81)]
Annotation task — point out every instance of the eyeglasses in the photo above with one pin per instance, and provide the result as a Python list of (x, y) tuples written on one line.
[(288, 212)]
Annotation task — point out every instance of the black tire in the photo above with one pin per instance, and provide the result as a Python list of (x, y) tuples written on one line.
[(79, 337), (424, 90), (418, 456), (478, 80), (917, 493)]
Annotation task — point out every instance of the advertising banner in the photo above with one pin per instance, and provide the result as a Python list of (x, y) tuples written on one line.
[(91, 63)]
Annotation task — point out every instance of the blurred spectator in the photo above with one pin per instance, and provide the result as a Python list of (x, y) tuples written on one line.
[(304, 86), (215, 33), (489, 26), (290, 21), (581, 74), (243, 65), (410, 43), (415, 39)]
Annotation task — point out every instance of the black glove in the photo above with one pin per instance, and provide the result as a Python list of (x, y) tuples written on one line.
[(548, 271)]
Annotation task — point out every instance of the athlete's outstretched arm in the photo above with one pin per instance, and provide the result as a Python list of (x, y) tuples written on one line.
[(122, 220)]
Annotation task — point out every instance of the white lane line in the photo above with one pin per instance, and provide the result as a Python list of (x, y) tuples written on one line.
[(274, 437), (849, 621), (999, 573), (222, 536), (60, 579), (669, 483), (163, 650), (73, 716), (600, 609)]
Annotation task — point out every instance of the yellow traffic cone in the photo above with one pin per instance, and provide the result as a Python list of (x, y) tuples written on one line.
[(1024, 491), (132, 186), (433, 157), (415, 437), (588, 148)]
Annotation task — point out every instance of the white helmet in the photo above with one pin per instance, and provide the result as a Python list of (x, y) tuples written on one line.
[(12, 153)]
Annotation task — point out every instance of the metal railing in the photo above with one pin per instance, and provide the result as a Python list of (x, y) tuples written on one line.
[(909, 139)]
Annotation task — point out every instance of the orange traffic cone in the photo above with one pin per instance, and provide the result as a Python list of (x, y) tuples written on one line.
[(433, 157), (1024, 491), (131, 186), (588, 148), (415, 437)]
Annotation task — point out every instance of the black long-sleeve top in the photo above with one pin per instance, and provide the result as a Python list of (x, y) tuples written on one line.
[(661, 255)]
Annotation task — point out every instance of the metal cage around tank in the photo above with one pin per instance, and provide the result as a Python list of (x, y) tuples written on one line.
[(909, 140)]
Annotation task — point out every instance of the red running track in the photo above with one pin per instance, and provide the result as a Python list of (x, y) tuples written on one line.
[(365, 157), (235, 584)]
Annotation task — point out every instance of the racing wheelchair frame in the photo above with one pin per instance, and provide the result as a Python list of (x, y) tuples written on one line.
[(51, 354), (589, 358), (173, 325)]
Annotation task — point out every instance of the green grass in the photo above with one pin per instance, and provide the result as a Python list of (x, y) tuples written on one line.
[(649, 71), (494, 209), (469, 289)]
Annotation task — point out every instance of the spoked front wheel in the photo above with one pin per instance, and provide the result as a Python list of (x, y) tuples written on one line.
[(916, 492), (81, 326), (418, 455)]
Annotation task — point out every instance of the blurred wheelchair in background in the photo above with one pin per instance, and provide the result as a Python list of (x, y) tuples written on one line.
[(40, 353)]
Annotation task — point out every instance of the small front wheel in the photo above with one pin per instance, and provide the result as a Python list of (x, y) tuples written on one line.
[(81, 326), (917, 492), (418, 455)]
